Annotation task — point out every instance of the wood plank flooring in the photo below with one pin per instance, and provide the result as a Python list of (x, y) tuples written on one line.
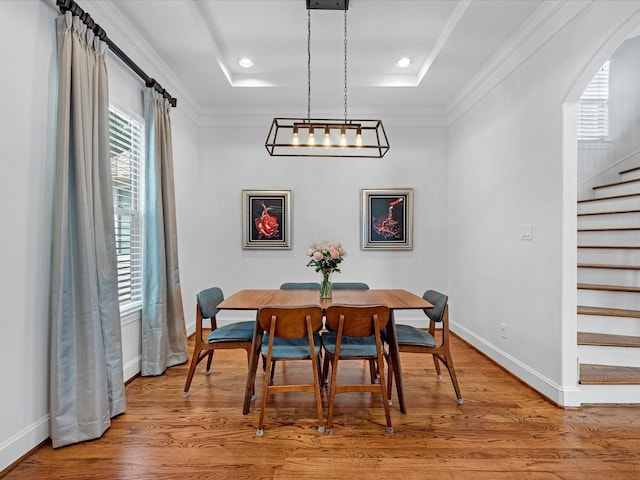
[(504, 430)]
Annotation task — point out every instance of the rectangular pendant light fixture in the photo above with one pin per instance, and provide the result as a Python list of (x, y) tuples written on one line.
[(318, 137)]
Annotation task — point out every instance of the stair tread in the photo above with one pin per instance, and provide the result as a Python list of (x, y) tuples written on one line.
[(613, 212), (629, 170), (619, 247), (607, 340), (612, 197), (612, 229), (615, 184), (608, 312), (609, 288), (591, 374), (608, 266)]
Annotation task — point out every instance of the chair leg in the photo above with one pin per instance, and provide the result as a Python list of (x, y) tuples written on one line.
[(195, 359), (315, 365), (332, 394), (325, 369), (209, 360), (272, 371), (373, 371), (389, 379), (383, 388), (253, 387), (265, 393), (438, 372), (448, 362)]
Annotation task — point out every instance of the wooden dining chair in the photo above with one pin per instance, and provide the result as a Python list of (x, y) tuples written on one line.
[(291, 323), (417, 340), (353, 333), (231, 336)]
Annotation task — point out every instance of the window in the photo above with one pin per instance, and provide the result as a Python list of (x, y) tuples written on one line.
[(593, 107), (126, 149)]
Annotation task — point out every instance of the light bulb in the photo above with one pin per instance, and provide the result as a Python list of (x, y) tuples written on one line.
[(359, 137), (294, 136), (311, 140), (327, 137), (343, 137)]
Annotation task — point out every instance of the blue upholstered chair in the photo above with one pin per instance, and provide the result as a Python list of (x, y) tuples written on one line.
[(293, 342), (233, 335), (349, 286), (417, 340), (300, 286), (291, 323), (353, 333)]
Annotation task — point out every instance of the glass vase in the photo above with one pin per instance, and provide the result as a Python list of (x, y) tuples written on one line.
[(325, 286)]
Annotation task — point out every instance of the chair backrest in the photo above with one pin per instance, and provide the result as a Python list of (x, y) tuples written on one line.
[(208, 300), (349, 286), (439, 302), (300, 286), (290, 321), (358, 319)]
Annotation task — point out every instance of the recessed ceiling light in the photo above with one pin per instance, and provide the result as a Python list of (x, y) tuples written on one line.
[(245, 62), (404, 62)]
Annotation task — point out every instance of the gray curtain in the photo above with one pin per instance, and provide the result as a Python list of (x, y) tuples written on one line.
[(87, 387), (164, 334)]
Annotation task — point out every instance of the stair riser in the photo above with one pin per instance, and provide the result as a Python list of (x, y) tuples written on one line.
[(617, 238), (611, 325), (610, 205), (620, 356), (600, 298), (630, 175), (622, 220), (609, 394), (604, 276), (605, 255), (622, 189)]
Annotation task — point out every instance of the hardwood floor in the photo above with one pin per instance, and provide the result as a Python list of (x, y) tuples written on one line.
[(503, 430)]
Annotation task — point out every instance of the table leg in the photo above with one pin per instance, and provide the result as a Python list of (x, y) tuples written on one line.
[(394, 353), (253, 366)]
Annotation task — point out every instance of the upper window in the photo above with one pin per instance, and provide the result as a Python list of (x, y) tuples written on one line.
[(126, 149), (593, 107)]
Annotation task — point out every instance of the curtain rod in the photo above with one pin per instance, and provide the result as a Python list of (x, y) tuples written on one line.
[(75, 9)]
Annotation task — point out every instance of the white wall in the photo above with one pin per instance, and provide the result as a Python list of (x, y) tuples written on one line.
[(28, 81), (325, 206), (27, 53), (506, 169)]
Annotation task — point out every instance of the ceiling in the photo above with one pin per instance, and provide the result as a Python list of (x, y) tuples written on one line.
[(449, 42)]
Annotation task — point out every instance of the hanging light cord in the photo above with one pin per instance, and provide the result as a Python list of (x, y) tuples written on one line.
[(309, 66), (345, 66)]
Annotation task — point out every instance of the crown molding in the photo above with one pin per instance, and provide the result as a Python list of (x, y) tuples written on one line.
[(547, 20)]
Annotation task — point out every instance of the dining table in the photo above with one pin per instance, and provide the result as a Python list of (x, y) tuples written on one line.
[(395, 299)]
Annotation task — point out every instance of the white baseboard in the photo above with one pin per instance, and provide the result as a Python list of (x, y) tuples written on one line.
[(566, 396), (132, 368), (23, 442)]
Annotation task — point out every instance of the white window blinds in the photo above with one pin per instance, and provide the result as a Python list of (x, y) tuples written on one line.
[(126, 147), (593, 107)]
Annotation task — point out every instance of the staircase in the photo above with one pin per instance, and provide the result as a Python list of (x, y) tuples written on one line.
[(609, 292)]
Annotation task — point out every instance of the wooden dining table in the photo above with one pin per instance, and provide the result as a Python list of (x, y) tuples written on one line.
[(393, 298)]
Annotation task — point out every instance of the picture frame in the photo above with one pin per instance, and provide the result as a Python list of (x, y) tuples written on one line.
[(387, 219), (266, 219)]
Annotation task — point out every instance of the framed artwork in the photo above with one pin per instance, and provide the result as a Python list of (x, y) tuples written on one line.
[(266, 219), (387, 219)]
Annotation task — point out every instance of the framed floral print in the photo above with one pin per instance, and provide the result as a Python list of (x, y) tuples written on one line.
[(266, 219), (387, 219)]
